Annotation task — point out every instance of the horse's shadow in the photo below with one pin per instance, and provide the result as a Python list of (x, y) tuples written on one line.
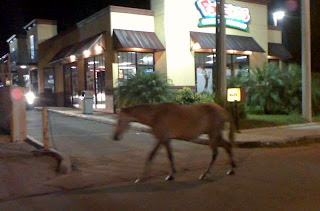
[(149, 187)]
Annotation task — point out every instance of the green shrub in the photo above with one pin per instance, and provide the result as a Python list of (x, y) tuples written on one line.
[(271, 90), (316, 93), (204, 97), (186, 96), (143, 88)]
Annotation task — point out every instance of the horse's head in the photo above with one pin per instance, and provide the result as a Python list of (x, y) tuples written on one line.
[(122, 125)]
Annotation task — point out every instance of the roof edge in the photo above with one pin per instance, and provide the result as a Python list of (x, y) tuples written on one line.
[(40, 21)]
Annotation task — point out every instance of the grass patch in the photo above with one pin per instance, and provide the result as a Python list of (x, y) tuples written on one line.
[(316, 118), (258, 121)]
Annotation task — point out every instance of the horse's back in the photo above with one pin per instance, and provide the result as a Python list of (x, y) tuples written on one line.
[(187, 122)]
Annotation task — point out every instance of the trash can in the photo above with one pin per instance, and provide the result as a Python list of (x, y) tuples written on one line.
[(86, 101)]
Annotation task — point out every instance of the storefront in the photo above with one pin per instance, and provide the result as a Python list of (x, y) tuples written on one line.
[(174, 37)]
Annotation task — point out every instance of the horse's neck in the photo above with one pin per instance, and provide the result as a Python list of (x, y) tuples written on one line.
[(143, 114)]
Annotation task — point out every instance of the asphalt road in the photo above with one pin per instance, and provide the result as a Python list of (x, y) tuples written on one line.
[(105, 171)]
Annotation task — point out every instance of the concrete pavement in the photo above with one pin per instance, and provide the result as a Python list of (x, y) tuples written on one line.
[(261, 137), (125, 159), (22, 173)]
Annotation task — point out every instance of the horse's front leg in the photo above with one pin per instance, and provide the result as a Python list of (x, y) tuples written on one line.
[(170, 156), (148, 162)]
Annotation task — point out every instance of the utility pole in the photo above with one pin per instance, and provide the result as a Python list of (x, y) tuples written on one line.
[(306, 60), (221, 81)]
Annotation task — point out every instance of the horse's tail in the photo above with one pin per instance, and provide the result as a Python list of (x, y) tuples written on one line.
[(232, 129)]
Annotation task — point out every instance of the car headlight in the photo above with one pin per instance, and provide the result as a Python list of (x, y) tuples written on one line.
[(30, 96)]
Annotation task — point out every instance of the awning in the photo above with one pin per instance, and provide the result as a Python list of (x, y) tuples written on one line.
[(278, 50), (77, 48), (137, 39), (233, 42)]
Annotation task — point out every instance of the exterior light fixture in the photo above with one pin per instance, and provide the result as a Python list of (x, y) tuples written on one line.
[(86, 53), (73, 58), (196, 46), (231, 51), (98, 49), (278, 16), (23, 66)]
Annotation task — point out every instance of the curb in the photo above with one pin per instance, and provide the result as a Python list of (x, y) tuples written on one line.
[(64, 161), (286, 142)]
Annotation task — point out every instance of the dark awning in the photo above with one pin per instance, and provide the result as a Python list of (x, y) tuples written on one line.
[(278, 50), (233, 42), (77, 48), (137, 39)]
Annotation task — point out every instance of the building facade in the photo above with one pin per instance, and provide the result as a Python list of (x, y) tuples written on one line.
[(176, 38)]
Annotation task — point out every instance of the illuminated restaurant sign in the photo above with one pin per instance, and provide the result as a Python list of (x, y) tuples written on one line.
[(236, 17)]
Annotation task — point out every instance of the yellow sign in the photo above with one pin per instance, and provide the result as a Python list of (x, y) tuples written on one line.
[(234, 94)]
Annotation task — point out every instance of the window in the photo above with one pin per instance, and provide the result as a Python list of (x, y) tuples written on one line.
[(34, 81), (32, 48), (205, 64), (205, 69), (240, 63), (236, 64), (131, 62), (49, 80)]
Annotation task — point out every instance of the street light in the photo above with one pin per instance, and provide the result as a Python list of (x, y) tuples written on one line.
[(279, 15)]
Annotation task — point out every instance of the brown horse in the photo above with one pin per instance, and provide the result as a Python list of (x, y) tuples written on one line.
[(171, 121)]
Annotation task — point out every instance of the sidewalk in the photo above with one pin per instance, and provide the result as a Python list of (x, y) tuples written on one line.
[(22, 173), (261, 137)]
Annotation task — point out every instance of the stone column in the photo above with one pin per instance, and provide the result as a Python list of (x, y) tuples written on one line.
[(110, 59), (59, 84)]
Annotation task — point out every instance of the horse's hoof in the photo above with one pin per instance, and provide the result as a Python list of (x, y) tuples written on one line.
[(230, 172), (169, 178), (202, 176), (138, 181)]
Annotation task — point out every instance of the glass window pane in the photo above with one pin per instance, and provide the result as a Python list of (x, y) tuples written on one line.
[(145, 68), (145, 58), (240, 64), (126, 62), (205, 66), (49, 80), (89, 64), (229, 66)]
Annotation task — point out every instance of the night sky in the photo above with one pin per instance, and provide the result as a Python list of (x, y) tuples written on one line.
[(14, 14)]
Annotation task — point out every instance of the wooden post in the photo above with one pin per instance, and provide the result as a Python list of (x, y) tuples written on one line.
[(306, 61), (45, 128)]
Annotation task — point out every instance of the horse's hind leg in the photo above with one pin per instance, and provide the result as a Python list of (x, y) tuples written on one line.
[(214, 148), (148, 162), (170, 156), (228, 147)]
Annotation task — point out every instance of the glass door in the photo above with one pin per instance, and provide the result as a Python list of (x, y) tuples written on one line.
[(71, 84), (95, 79), (100, 81)]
